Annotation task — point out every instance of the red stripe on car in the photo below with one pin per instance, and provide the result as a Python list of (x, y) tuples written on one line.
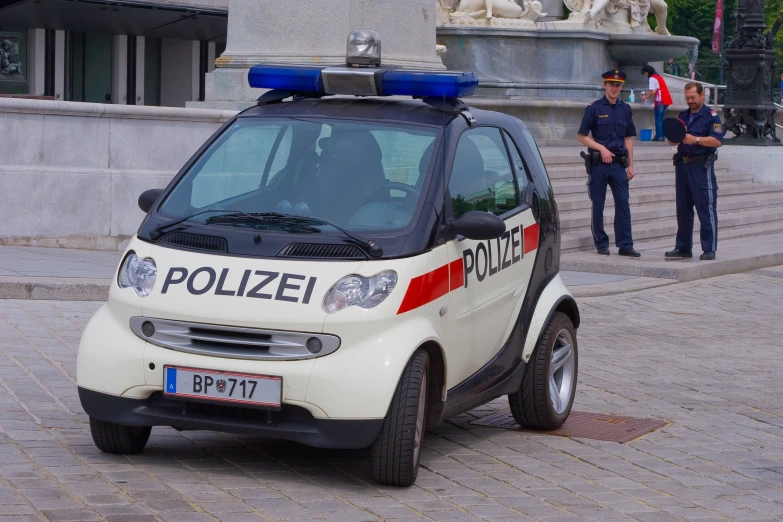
[(456, 275), (531, 238), (425, 289)]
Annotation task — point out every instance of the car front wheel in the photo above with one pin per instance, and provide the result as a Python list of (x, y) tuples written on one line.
[(117, 438), (548, 388), (396, 452)]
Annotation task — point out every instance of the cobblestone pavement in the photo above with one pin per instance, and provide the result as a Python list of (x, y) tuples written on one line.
[(701, 355)]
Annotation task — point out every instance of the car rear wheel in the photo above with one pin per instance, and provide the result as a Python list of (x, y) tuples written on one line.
[(544, 400), (396, 453), (117, 438)]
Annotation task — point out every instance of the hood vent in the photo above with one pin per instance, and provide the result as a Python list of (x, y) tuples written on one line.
[(320, 251), (196, 241)]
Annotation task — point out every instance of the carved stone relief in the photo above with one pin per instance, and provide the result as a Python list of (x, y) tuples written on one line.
[(10, 62)]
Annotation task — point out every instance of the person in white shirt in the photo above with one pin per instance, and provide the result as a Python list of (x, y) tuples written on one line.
[(659, 93)]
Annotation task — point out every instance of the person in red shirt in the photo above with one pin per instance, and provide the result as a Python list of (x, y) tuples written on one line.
[(659, 92)]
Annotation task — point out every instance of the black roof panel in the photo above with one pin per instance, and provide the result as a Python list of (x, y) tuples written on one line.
[(386, 109)]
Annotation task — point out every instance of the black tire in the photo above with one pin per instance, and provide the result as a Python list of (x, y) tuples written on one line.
[(532, 405), (395, 454), (117, 438)]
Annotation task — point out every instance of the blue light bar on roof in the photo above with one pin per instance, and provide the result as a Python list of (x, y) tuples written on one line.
[(296, 78), (427, 83), (393, 82)]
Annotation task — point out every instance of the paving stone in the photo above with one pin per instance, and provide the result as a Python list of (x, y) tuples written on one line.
[(694, 354)]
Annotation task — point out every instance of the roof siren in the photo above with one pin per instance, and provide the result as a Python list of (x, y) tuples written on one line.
[(364, 49)]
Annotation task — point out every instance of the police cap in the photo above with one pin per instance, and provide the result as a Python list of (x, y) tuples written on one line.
[(614, 76)]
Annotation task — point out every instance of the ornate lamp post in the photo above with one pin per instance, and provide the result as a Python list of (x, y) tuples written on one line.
[(749, 109)]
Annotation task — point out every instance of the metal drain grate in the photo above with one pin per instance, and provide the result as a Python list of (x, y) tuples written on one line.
[(585, 426)]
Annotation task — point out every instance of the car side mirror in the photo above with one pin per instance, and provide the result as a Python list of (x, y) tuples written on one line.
[(148, 198), (478, 225)]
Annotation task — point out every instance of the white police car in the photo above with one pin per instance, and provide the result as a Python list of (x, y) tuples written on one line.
[(342, 272)]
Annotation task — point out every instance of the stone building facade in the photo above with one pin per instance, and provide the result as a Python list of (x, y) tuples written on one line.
[(133, 52)]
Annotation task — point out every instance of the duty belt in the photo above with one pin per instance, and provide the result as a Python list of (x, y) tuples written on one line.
[(694, 159)]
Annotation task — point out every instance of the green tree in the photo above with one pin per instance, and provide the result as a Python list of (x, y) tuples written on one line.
[(697, 17)]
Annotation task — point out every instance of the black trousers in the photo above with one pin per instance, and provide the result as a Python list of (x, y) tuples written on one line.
[(696, 186), (614, 175)]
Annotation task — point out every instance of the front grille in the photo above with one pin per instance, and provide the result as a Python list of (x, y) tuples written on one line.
[(232, 341), (321, 251), (216, 411), (196, 241)]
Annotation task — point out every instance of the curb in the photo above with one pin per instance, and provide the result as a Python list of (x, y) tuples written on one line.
[(54, 289), (680, 274)]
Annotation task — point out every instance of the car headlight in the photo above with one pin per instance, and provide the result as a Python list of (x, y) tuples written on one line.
[(139, 274), (355, 290)]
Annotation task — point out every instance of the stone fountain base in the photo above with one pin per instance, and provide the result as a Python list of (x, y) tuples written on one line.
[(545, 63)]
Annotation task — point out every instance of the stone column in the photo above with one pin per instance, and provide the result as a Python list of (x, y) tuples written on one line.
[(315, 31)]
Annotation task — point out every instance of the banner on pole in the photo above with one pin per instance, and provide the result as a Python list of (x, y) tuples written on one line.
[(717, 31)]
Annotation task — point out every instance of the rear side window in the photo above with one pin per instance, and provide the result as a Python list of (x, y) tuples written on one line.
[(523, 176), (534, 150), (481, 177)]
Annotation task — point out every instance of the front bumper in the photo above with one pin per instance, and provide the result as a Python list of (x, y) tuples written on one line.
[(291, 423)]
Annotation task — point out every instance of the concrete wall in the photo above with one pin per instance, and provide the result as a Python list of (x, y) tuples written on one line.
[(72, 172), (555, 123)]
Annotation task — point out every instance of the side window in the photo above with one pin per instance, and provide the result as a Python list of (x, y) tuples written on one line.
[(523, 176), (481, 177), (536, 153)]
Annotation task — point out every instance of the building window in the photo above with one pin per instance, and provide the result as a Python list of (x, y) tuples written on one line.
[(90, 67)]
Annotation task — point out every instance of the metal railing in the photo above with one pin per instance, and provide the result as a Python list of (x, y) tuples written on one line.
[(714, 94), (780, 108)]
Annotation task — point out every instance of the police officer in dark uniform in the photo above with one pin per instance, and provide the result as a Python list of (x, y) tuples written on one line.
[(695, 176), (610, 121)]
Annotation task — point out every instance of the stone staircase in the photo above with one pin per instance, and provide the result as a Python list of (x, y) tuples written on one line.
[(744, 208)]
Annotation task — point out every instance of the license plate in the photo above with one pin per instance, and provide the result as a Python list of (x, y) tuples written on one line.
[(210, 385)]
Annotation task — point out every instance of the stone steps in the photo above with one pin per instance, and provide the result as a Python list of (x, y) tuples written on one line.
[(570, 172), (570, 155), (745, 208), (665, 195), (577, 185), (741, 223), (655, 211)]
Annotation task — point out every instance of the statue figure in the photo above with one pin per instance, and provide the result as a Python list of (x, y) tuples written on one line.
[(587, 10), (9, 59), (472, 11)]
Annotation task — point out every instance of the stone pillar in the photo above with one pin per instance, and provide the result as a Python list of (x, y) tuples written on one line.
[(36, 64), (59, 65), (316, 31), (119, 73), (141, 44)]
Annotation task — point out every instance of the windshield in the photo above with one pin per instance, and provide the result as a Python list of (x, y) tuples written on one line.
[(361, 176)]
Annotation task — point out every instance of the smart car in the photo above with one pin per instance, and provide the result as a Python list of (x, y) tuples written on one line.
[(351, 261)]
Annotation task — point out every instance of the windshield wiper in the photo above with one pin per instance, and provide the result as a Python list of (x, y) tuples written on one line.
[(367, 245), (158, 231)]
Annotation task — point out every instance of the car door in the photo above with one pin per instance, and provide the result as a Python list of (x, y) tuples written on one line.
[(488, 175)]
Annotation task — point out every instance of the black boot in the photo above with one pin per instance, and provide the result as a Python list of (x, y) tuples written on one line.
[(629, 252), (678, 254)]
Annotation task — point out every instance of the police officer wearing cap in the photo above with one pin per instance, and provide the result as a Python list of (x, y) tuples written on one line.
[(610, 121), (695, 183)]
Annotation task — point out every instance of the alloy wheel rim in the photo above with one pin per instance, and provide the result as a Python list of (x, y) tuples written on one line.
[(419, 435), (561, 371)]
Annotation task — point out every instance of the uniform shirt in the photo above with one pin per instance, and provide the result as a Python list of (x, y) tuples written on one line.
[(609, 123), (705, 122)]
